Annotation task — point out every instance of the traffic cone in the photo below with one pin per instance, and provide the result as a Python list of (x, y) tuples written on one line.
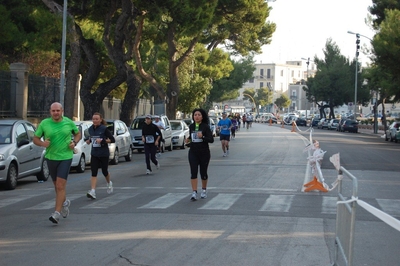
[(270, 121), (315, 185), (293, 127)]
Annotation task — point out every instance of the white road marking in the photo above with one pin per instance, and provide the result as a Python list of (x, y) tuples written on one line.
[(221, 202), (277, 203)]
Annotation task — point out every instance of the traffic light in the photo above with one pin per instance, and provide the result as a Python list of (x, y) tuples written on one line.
[(357, 44)]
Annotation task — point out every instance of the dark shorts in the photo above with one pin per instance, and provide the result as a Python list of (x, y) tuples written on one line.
[(59, 168), (224, 137)]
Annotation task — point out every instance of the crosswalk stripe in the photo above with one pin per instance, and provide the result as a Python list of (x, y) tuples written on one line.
[(49, 204), (6, 202), (329, 205), (165, 201), (109, 201), (277, 203), (390, 206), (221, 202)]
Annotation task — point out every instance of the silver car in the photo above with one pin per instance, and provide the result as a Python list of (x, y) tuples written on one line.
[(19, 157), (180, 132), (82, 150), (123, 141)]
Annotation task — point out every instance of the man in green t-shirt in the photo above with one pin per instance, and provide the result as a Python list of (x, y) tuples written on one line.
[(54, 133)]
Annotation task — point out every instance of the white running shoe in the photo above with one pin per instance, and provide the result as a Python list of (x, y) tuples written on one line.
[(148, 172), (91, 194), (203, 194), (194, 196), (65, 208), (55, 217), (110, 188), (227, 152), (224, 155), (158, 164)]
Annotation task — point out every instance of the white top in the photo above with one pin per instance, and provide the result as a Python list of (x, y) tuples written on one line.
[(160, 124)]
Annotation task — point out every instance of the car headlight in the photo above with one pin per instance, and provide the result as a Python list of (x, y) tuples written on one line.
[(2, 157)]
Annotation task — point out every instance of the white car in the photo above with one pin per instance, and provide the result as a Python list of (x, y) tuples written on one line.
[(82, 150), (180, 132), (123, 141), (392, 131)]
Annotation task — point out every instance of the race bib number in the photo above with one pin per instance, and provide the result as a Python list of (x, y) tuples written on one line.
[(149, 139), (196, 138), (94, 142)]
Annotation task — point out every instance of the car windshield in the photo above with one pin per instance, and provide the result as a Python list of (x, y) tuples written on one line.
[(137, 123), (5, 133), (176, 125)]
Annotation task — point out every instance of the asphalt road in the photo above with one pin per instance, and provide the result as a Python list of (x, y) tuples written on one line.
[(256, 212)]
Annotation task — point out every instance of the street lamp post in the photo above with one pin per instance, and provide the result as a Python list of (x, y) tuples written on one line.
[(358, 35), (63, 48)]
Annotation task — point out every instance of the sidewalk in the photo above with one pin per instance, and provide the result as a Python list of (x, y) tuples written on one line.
[(371, 132)]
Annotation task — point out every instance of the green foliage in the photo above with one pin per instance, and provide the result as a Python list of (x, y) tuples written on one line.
[(387, 51), (227, 88), (335, 79), (283, 101), (378, 10)]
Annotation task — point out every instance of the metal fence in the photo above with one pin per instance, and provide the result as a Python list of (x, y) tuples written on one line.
[(345, 221), (42, 92), (7, 109)]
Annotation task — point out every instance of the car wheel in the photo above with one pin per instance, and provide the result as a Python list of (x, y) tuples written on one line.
[(44, 174), (128, 157), (12, 176), (115, 160), (183, 144), (386, 137), (170, 146), (80, 168)]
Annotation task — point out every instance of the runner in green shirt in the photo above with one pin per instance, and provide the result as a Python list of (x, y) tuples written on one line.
[(54, 133)]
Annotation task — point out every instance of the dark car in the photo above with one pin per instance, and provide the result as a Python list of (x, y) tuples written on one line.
[(300, 121), (350, 126), (314, 122)]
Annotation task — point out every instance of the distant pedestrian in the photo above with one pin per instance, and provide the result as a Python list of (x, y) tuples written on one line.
[(100, 136), (199, 153), (56, 134), (244, 120), (234, 126), (151, 136), (225, 126), (158, 122)]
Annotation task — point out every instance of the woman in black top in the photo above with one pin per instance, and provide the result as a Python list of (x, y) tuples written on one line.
[(100, 136), (199, 153), (151, 136)]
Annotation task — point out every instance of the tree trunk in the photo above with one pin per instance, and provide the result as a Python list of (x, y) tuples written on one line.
[(131, 96)]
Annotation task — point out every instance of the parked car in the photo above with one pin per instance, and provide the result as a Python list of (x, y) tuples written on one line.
[(19, 156), (213, 127), (82, 150), (323, 123), (392, 131), (397, 137), (300, 121), (314, 122), (188, 121), (123, 141), (350, 126), (136, 133), (216, 120), (333, 124), (180, 132), (340, 124)]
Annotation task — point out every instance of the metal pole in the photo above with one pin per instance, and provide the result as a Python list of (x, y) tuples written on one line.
[(63, 45), (355, 89)]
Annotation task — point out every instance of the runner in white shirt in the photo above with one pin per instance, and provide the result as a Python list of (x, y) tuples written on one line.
[(160, 124)]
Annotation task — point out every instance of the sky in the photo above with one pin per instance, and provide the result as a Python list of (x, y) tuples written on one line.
[(303, 27)]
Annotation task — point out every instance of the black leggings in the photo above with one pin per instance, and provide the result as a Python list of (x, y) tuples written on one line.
[(197, 159), (99, 162)]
